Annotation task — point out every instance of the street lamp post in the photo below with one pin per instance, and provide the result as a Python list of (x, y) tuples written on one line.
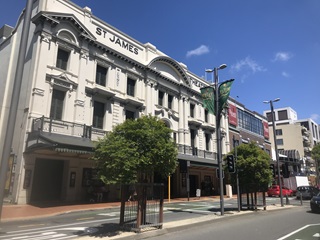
[(275, 145), (218, 132)]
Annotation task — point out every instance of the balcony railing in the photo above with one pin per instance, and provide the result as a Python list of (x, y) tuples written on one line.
[(195, 152), (66, 128), (82, 130)]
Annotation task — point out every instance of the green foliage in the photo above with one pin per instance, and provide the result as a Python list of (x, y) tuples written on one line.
[(253, 167), (136, 149), (315, 153)]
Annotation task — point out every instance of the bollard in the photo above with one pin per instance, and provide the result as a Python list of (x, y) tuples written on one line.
[(287, 200)]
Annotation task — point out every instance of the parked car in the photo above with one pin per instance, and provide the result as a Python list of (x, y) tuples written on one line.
[(315, 203), (275, 191), (306, 192)]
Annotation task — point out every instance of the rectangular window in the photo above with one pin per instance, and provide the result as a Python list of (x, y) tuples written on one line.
[(278, 132), (206, 115), (62, 59), (193, 141), (283, 115), (98, 115), (57, 104), (170, 101), (175, 137), (192, 107), (269, 117), (207, 136), (279, 141), (130, 114), (101, 75), (130, 86), (250, 122), (160, 98)]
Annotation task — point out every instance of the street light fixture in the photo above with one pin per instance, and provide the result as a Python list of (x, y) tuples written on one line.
[(218, 132), (275, 145)]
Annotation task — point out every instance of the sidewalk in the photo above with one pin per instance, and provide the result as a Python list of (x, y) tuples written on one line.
[(12, 212)]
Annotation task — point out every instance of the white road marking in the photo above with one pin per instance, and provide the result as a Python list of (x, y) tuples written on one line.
[(107, 214), (298, 230)]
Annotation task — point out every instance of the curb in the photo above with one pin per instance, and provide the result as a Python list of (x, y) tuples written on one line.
[(176, 226)]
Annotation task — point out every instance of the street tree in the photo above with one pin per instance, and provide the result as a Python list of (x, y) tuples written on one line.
[(135, 150), (253, 167), (130, 155), (315, 154)]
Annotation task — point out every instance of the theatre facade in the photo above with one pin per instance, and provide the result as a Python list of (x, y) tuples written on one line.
[(82, 77)]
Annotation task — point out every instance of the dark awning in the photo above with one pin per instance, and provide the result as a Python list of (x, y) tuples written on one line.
[(292, 155), (59, 143)]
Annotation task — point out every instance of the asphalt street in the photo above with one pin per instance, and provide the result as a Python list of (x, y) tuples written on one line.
[(105, 222)]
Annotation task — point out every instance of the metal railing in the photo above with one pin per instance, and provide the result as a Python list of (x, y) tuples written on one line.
[(141, 206)]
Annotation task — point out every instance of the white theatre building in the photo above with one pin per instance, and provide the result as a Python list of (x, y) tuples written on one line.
[(82, 77)]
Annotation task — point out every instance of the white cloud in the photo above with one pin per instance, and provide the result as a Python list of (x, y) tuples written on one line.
[(315, 117), (282, 56), (203, 49), (285, 74), (247, 63)]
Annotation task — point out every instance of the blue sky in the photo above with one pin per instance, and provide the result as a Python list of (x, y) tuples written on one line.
[(272, 48)]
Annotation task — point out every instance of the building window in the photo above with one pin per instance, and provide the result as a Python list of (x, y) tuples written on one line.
[(283, 115), (192, 107), (160, 98), (279, 141), (57, 104), (278, 132), (98, 115), (206, 115), (62, 59), (130, 114), (269, 117), (101, 75), (193, 142), (170, 101), (207, 136), (130, 86), (175, 137), (250, 122)]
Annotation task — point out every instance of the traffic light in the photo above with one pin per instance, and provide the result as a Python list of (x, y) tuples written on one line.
[(285, 171), (273, 170), (231, 164)]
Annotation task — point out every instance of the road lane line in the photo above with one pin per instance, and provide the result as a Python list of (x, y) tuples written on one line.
[(31, 225), (84, 219)]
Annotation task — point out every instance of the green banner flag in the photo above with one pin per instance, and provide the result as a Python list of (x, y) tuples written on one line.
[(224, 92), (207, 94)]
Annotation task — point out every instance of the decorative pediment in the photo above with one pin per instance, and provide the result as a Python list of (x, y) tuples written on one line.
[(164, 72), (61, 80), (56, 18)]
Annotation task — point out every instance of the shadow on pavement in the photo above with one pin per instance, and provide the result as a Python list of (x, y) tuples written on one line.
[(103, 230)]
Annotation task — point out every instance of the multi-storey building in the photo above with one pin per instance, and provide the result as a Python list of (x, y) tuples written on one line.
[(246, 126), (81, 77), (295, 139)]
